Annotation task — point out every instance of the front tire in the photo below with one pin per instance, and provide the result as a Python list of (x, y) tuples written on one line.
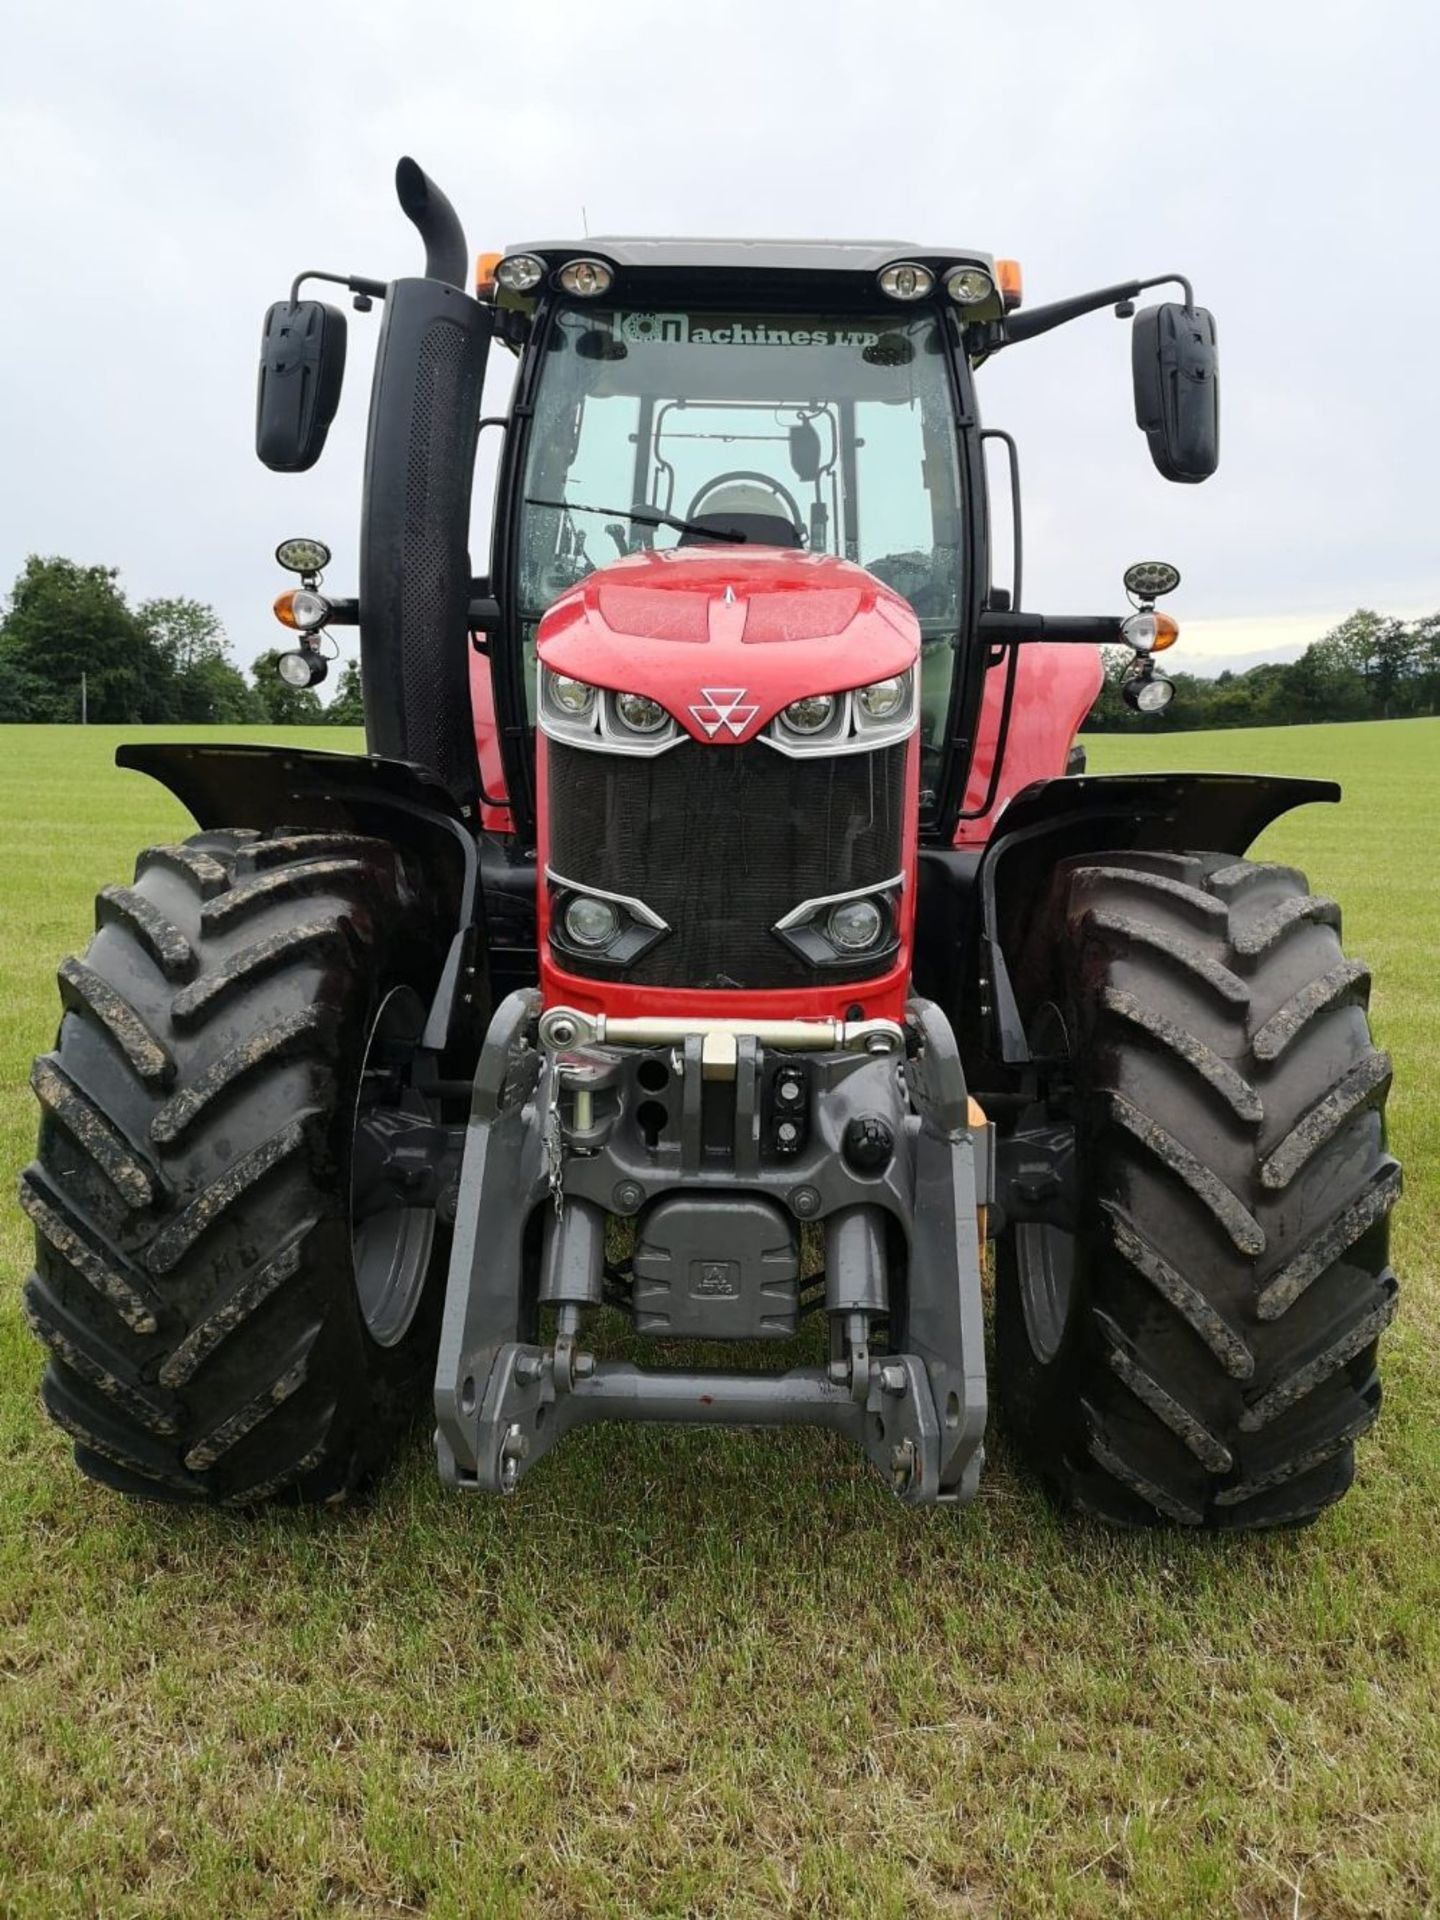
[(1202, 1348), (194, 1282)]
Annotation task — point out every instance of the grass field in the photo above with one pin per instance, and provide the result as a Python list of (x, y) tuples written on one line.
[(691, 1673)]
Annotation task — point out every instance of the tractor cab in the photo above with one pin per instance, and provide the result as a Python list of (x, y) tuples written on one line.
[(824, 425)]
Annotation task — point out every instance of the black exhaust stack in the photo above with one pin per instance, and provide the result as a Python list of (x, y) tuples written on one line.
[(446, 256), (414, 530)]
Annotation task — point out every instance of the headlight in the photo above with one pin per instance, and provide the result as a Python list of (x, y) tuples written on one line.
[(883, 699), (1148, 692), (812, 713), (520, 272), (571, 696), (841, 929), (301, 669), (640, 713), (590, 926), (906, 280), (303, 609), (590, 922), (855, 924), (1149, 632), (585, 278), (299, 555), (968, 286)]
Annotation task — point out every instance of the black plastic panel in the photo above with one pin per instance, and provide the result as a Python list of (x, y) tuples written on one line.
[(722, 842)]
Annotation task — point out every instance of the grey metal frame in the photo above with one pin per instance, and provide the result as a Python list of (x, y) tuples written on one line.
[(553, 1138)]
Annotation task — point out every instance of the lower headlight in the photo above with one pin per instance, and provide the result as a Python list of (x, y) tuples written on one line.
[(590, 922), (855, 924), (810, 714), (302, 669), (640, 713), (1147, 692)]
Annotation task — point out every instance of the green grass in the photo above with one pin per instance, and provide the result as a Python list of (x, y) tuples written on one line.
[(691, 1673)]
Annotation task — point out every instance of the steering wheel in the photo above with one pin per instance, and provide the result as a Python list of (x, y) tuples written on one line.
[(781, 493)]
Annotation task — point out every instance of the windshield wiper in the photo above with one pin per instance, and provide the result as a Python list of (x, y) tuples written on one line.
[(645, 517)]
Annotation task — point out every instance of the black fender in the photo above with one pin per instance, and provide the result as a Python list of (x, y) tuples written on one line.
[(1053, 819), (310, 789)]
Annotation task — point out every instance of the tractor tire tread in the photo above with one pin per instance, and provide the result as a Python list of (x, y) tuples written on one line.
[(1220, 1364), (193, 1295)]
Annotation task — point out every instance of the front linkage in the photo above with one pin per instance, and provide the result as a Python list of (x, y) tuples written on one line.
[(720, 1141)]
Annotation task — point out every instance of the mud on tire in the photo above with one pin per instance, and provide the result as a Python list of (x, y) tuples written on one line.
[(193, 1282), (1203, 1350)]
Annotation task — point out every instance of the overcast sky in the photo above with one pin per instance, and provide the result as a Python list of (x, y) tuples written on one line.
[(165, 169)]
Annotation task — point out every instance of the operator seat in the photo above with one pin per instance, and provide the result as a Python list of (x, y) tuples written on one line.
[(744, 508)]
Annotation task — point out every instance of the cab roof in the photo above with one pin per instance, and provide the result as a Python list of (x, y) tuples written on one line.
[(685, 255), (795, 273)]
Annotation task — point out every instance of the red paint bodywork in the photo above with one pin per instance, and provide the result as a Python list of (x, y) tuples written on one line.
[(1055, 687), (493, 818), (776, 624), (765, 621), (769, 624)]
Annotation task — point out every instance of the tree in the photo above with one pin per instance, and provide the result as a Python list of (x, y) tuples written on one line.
[(347, 709), (1381, 650), (186, 632), (207, 688), (66, 620), (20, 692), (284, 705)]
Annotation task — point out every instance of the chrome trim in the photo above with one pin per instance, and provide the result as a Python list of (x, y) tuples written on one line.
[(853, 733), (797, 915), (600, 730), (637, 909), (616, 737)]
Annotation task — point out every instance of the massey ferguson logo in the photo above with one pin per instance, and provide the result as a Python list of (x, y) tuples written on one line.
[(723, 707)]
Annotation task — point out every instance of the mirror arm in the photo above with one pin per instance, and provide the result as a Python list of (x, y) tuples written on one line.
[(356, 282), (1071, 629), (1026, 325)]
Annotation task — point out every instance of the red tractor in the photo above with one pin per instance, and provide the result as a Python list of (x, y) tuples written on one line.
[(718, 930)]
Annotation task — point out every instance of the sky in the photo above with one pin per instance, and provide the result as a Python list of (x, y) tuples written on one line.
[(165, 169)]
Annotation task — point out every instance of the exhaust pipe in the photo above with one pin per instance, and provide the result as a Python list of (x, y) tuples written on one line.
[(446, 255), (415, 518)]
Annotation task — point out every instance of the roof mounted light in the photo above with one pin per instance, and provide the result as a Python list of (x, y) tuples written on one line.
[(586, 279), (906, 280), (969, 286), (520, 273), (1011, 283)]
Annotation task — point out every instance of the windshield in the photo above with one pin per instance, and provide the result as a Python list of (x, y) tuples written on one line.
[(811, 430)]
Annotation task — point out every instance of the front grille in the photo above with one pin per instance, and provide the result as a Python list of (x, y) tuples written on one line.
[(722, 842)]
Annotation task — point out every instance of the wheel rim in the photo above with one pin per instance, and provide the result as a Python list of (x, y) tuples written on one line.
[(1045, 1270), (390, 1249), (1045, 1256)]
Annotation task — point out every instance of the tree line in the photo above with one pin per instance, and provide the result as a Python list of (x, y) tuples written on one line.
[(68, 626), (1370, 667), (168, 662)]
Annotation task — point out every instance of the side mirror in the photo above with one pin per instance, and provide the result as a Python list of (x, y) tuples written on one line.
[(1177, 393), (302, 366), (805, 451)]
